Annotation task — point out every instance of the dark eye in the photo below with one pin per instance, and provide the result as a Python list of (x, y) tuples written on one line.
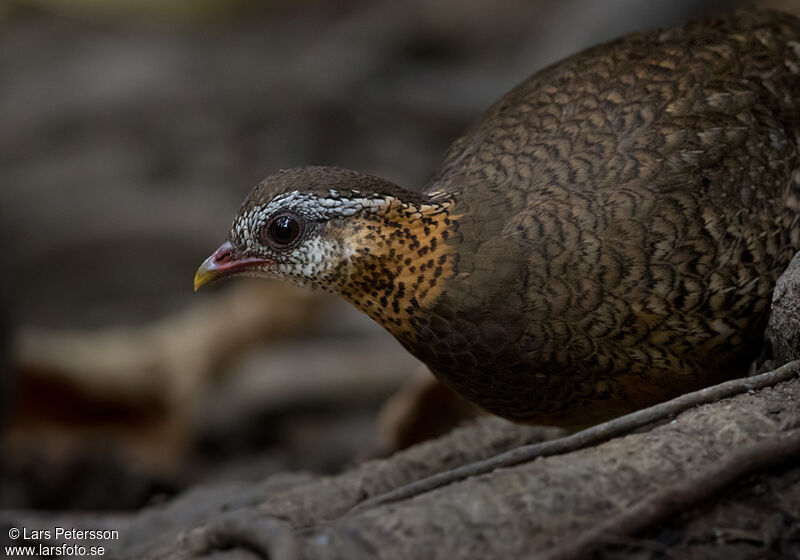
[(283, 230)]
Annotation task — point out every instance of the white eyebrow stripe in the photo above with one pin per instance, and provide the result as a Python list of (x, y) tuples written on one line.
[(309, 205)]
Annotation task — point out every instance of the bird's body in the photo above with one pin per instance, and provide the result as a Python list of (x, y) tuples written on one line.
[(606, 236)]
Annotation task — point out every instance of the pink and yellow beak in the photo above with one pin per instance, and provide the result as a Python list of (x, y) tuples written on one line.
[(226, 261)]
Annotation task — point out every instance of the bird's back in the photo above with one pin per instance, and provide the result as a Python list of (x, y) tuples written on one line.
[(623, 216)]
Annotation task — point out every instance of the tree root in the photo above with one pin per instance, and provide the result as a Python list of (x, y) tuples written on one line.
[(249, 529), (682, 495), (590, 436)]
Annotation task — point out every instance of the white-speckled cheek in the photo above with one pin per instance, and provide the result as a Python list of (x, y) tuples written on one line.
[(314, 259)]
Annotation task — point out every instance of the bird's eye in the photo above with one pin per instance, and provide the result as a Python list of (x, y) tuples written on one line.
[(283, 230)]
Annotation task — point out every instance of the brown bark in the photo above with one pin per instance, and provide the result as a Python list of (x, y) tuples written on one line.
[(629, 483)]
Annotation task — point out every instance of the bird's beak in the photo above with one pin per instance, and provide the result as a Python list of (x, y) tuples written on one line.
[(226, 261)]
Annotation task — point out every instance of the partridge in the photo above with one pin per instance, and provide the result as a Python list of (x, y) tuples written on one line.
[(605, 237)]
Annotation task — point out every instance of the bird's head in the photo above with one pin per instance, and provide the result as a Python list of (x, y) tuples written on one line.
[(340, 231)]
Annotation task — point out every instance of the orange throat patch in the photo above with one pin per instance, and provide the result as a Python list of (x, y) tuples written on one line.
[(402, 258)]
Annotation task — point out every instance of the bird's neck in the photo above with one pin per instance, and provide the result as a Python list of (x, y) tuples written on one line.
[(402, 259)]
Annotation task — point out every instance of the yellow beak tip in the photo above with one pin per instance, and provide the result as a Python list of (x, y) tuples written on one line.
[(203, 277)]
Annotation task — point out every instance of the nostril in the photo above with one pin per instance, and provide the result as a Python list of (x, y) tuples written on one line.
[(223, 256)]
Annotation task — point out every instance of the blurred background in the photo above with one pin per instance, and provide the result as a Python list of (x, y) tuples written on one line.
[(130, 132)]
